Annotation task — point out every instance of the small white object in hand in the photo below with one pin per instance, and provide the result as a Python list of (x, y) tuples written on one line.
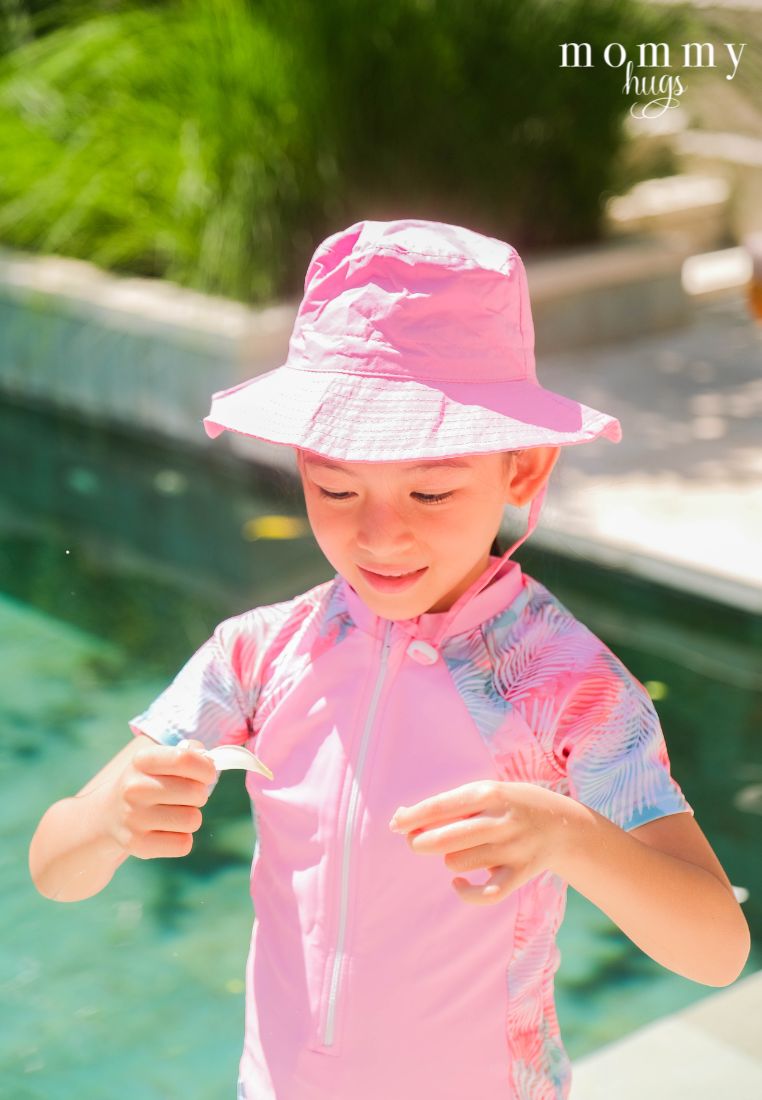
[(225, 757)]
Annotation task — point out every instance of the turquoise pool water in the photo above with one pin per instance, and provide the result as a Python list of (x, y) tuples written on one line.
[(117, 559)]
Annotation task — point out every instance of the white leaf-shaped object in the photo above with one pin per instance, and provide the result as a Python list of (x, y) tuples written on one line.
[(225, 757)]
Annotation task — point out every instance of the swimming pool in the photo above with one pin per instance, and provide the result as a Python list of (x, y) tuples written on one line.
[(117, 559)]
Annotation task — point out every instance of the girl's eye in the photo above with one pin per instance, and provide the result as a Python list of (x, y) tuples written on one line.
[(432, 498), (425, 498)]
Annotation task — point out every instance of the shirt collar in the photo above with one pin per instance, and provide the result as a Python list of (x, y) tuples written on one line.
[(435, 626)]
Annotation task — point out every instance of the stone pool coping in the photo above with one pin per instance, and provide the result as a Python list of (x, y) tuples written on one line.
[(679, 498), (708, 1050)]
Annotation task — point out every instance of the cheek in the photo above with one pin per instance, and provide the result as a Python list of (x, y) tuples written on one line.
[(447, 534), (460, 520), (468, 527), (329, 524)]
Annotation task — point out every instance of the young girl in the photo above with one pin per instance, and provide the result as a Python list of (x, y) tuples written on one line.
[(429, 714)]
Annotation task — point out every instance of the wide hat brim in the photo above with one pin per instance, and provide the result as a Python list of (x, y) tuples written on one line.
[(355, 417)]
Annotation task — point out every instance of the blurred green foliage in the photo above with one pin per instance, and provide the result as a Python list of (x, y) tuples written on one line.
[(160, 141), (215, 142)]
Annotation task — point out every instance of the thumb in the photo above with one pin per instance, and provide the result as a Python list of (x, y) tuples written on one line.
[(503, 880), (190, 743), (194, 743)]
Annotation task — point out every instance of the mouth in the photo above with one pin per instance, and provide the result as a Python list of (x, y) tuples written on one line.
[(392, 582)]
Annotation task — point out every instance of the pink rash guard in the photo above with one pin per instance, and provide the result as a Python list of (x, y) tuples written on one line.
[(367, 976)]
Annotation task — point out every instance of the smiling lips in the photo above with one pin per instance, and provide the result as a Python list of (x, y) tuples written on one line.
[(391, 582), (385, 571)]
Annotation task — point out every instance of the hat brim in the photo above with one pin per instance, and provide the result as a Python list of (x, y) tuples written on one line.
[(367, 418)]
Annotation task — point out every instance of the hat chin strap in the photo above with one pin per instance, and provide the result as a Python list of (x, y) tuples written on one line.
[(495, 567), (534, 515)]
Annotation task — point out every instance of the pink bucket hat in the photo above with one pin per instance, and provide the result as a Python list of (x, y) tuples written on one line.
[(414, 339)]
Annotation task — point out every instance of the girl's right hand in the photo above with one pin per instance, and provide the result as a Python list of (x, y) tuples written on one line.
[(155, 804)]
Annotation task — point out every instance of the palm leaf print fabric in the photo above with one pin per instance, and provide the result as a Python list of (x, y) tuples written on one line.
[(205, 701), (610, 736), (557, 708)]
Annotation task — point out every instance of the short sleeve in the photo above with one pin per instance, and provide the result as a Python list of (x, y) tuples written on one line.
[(205, 701), (610, 741)]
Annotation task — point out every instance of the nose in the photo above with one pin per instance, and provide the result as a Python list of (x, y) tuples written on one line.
[(383, 532)]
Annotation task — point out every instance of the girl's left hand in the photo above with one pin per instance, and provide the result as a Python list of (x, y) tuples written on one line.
[(514, 830)]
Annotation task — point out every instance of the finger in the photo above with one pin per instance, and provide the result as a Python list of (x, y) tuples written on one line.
[(188, 763), (458, 803), (170, 790), (170, 819), (456, 835), (481, 857), (502, 882), (161, 845)]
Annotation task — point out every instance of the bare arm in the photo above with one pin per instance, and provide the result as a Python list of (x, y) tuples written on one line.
[(664, 886), (144, 802), (661, 883)]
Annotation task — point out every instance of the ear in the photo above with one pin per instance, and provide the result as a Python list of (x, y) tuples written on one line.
[(530, 470)]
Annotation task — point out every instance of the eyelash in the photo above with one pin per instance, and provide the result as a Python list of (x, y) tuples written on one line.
[(426, 498)]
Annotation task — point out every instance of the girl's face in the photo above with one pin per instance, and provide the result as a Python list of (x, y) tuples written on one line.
[(437, 517)]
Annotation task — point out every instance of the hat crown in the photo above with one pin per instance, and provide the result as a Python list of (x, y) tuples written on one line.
[(415, 299)]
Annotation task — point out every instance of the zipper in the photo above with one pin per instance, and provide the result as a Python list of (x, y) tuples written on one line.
[(328, 1030)]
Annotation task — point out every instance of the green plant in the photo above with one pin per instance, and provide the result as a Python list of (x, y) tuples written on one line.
[(456, 109), (162, 142), (214, 142)]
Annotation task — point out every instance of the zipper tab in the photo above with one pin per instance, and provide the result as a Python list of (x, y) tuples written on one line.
[(328, 1031)]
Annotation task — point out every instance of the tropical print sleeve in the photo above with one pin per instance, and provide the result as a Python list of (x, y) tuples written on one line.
[(610, 739), (205, 701)]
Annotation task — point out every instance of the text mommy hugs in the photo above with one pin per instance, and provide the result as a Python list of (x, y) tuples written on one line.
[(652, 55)]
